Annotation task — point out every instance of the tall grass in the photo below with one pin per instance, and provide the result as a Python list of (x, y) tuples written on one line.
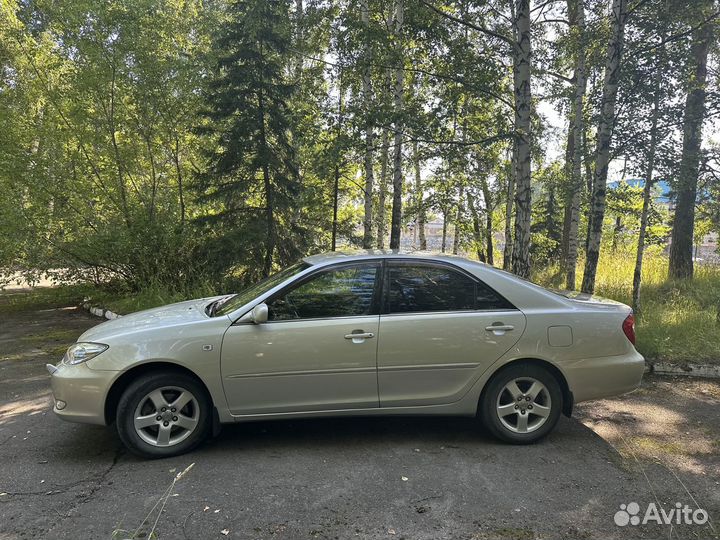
[(679, 321)]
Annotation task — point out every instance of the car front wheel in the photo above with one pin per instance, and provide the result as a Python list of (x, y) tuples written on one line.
[(163, 414), (522, 403)]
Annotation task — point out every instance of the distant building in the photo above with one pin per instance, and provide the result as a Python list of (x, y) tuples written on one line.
[(706, 250), (433, 236), (662, 189)]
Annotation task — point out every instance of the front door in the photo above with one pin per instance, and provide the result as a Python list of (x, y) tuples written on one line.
[(440, 329), (316, 352)]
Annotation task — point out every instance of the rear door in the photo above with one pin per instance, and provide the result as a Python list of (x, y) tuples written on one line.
[(440, 328)]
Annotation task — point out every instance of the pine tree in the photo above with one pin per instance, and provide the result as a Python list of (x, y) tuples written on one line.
[(252, 175)]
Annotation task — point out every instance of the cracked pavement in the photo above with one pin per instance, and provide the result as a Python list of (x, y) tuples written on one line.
[(363, 477)]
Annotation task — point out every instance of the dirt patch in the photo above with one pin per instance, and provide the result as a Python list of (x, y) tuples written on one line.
[(672, 420), (36, 324)]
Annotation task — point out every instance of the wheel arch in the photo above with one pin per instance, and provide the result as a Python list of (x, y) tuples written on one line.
[(568, 400), (123, 381)]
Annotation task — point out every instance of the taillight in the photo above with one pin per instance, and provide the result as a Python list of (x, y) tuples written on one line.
[(628, 327)]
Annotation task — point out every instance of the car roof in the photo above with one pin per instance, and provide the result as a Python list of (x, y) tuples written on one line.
[(506, 283), (330, 257)]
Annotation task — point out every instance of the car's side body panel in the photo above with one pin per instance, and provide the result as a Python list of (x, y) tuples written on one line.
[(303, 365), (434, 358)]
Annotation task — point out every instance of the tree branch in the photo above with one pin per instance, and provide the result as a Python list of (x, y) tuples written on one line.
[(468, 24)]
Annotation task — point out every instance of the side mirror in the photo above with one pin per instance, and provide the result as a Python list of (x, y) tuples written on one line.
[(259, 313)]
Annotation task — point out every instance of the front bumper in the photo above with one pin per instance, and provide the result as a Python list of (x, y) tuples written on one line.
[(83, 391)]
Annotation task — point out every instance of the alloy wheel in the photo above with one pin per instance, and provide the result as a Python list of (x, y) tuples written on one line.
[(166, 416), (523, 405)]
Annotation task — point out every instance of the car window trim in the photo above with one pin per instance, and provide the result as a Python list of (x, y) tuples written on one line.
[(284, 321), (374, 304), (385, 307), (450, 312)]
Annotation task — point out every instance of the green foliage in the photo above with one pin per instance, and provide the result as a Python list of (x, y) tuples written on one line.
[(547, 216), (679, 321), (624, 206), (99, 100)]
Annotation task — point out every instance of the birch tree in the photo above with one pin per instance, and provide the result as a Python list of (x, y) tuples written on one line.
[(369, 138), (523, 103), (517, 40), (650, 163), (419, 199), (509, 205), (383, 188), (576, 12), (604, 136)]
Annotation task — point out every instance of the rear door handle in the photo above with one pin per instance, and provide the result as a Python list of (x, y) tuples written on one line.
[(360, 335), (500, 328)]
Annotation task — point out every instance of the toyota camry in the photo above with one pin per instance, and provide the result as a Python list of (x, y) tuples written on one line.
[(371, 333)]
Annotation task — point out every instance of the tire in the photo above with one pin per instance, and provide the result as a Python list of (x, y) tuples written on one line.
[(529, 418), (179, 430)]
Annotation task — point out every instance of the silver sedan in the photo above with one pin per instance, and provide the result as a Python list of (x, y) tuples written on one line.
[(371, 333)]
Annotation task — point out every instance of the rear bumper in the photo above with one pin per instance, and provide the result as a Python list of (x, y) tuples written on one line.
[(79, 393), (595, 378)]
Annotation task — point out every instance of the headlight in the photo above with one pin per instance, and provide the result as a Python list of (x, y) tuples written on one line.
[(81, 352)]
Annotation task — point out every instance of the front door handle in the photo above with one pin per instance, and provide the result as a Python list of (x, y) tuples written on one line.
[(499, 329), (359, 336)]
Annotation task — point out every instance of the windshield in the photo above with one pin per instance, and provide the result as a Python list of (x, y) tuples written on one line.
[(253, 291)]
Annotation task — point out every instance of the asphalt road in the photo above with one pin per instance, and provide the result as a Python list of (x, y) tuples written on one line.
[(350, 478)]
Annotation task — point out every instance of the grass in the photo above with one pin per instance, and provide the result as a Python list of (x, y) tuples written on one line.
[(14, 300), (155, 295), (118, 300), (679, 322), (58, 336)]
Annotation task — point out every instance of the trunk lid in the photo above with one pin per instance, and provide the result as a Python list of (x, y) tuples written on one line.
[(590, 300)]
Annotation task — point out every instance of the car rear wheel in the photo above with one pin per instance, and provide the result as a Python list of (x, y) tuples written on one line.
[(522, 403), (163, 414)]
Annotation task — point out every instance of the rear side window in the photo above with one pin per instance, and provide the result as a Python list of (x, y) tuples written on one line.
[(421, 288)]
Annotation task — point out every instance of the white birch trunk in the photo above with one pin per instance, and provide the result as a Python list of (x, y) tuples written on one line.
[(420, 221), (577, 22), (382, 188), (523, 96), (604, 136), (369, 138)]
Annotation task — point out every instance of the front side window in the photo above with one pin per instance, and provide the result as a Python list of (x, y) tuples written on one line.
[(341, 292), (420, 288)]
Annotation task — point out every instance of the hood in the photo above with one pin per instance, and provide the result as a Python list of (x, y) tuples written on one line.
[(159, 317)]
